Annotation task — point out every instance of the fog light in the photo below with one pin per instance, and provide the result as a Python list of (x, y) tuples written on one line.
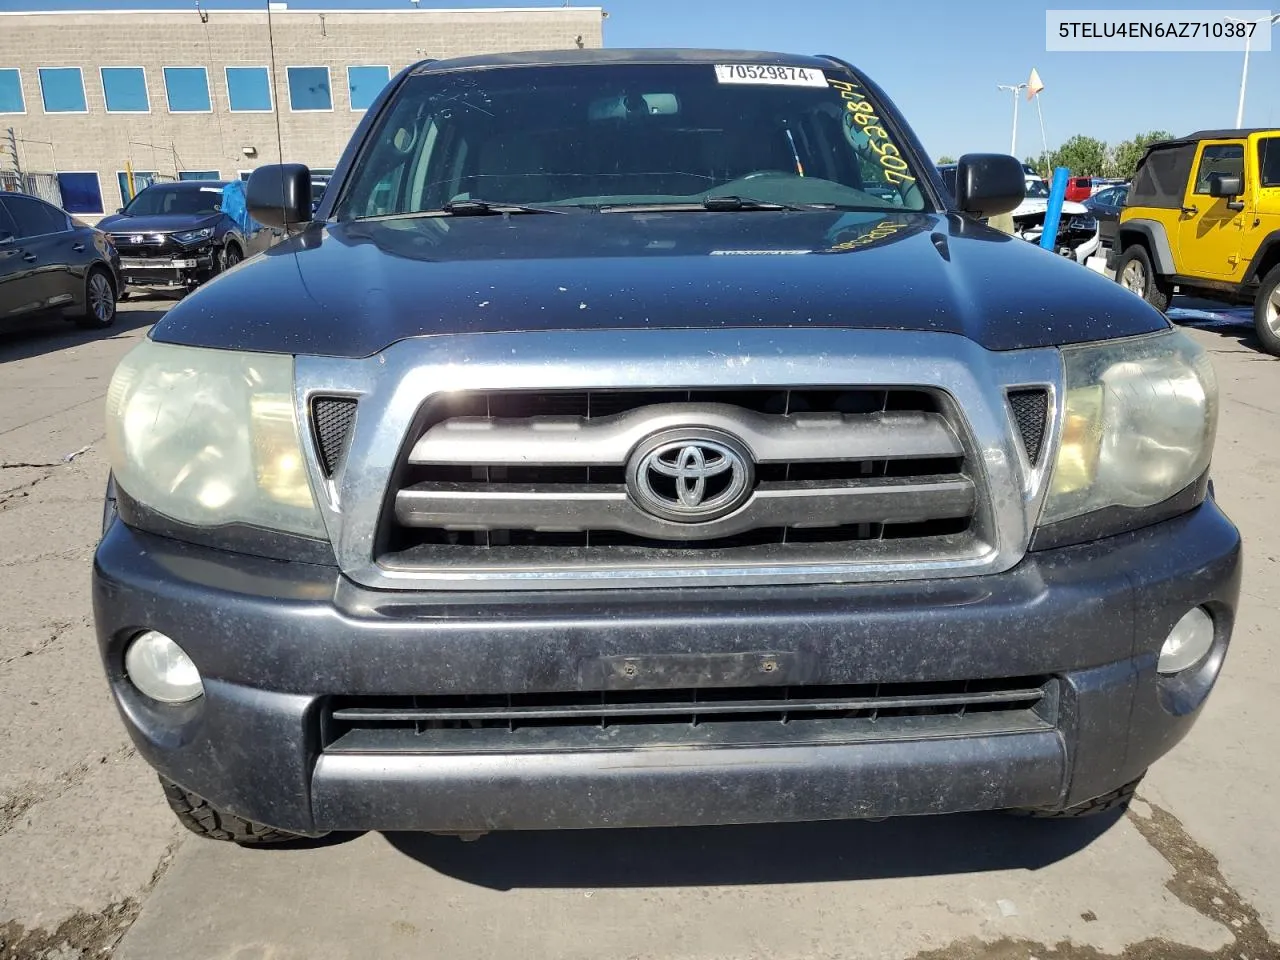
[(161, 669), (1188, 642)]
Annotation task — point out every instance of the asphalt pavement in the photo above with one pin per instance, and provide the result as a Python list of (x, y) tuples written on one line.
[(92, 863)]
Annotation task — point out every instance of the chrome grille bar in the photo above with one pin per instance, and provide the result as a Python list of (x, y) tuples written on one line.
[(572, 508), (606, 441)]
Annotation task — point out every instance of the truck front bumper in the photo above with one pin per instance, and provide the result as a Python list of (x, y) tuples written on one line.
[(188, 270), (282, 647)]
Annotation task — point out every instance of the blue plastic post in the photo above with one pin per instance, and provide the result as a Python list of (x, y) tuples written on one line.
[(1052, 216)]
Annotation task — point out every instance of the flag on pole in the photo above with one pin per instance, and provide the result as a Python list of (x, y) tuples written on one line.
[(1034, 85)]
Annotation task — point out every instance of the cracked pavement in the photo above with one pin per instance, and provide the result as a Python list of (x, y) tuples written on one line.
[(92, 864)]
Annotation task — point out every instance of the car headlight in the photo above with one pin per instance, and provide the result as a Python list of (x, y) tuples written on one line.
[(210, 437), (189, 237), (1083, 222), (1139, 420)]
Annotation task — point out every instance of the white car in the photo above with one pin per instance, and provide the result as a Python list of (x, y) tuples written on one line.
[(1078, 231)]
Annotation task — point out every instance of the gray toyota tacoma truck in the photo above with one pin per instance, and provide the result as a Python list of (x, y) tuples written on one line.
[(644, 438)]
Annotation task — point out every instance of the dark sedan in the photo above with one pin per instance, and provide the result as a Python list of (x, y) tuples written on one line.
[(51, 262), (177, 235), (1106, 205)]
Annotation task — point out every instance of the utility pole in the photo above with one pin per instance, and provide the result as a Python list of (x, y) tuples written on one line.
[(1015, 88), (1269, 19)]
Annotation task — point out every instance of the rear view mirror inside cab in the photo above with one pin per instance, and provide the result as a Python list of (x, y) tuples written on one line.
[(630, 105)]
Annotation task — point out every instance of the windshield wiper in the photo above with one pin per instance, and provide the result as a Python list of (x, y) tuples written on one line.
[(467, 208), (489, 208), (729, 203)]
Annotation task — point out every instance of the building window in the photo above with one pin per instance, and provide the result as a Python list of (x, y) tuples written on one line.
[(365, 83), (198, 175), (125, 90), (11, 99), (141, 180), (249, 89), (63, 90), (81, 192), (309, 88), (187, 89)]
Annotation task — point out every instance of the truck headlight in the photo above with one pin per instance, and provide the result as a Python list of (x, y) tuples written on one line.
[(189, 237), (210, 437), (1138, 425)]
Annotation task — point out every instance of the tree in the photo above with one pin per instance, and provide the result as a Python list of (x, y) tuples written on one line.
[(1083, 156), (1126, 154), (945, 158)]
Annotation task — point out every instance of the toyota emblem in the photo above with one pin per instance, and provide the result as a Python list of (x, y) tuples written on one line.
[(690, 476)]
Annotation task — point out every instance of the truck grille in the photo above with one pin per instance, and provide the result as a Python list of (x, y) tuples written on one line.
[(613, 718), (521, 478), (146, 245)]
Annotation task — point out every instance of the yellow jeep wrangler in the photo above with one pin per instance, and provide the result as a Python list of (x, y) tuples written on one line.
[(1203, 215)]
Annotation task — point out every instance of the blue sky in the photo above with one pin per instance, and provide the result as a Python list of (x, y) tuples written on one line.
[(940, 60)]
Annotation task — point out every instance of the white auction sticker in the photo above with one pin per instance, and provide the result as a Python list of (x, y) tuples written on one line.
[(770, 73)]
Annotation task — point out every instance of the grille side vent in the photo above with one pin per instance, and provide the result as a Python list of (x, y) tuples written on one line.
[(1031, 411), (331, 421)]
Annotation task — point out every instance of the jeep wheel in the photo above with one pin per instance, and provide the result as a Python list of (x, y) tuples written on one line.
[(1266, 312), (1134, 273), (1117, 799), (199, 816)]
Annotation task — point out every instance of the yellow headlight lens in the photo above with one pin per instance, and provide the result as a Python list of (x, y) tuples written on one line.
[(1139, 420), (210, 437)]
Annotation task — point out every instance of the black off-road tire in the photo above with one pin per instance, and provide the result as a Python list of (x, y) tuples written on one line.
[(201, 817), (1117, 799), (1135, 273), (1266, 312)]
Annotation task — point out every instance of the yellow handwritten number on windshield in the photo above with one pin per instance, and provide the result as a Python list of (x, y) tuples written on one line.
[(888, 155)]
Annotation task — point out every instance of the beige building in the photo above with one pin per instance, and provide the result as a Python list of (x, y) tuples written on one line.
[(96, 97)]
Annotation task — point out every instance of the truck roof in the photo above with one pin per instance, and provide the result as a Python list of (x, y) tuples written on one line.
[(1228, 134), (539, 58)]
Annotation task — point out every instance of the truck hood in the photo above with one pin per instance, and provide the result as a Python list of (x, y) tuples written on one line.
[(157, 223), (351, 289)]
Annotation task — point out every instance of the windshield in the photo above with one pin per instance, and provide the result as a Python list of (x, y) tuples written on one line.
[(631, 134), (182, 200), (1037, 189)]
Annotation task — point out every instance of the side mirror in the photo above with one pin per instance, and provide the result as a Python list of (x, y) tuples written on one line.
[(1221, 185), (989, 184), (279, 194)]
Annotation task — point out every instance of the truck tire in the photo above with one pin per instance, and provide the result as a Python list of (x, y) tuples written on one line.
[(1135, 273), (1266, 311), (1117, 799), (201, 817)]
